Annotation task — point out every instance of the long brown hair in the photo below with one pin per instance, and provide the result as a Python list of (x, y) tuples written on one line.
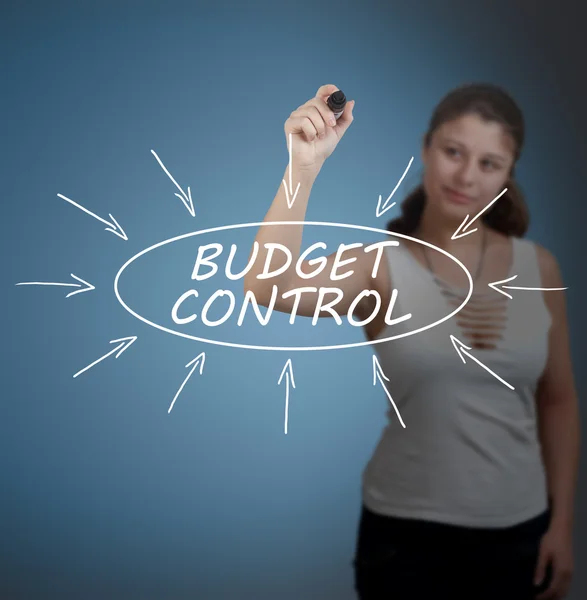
[(509, 215)]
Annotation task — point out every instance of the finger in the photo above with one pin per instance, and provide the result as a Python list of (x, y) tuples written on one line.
[(565, 588), (552, 592), (558, 586), (318, 119), (308, 129), (345, 119), (540, 567), (548, 594), (301, 124), (324, 110), (325, 90)]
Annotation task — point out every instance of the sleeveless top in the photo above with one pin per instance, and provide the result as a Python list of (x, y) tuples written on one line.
[(469, 453)]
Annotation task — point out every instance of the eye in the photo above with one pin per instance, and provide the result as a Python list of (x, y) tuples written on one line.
[(490, 164), (451, 151)]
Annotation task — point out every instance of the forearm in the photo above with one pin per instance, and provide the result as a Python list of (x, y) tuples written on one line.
[(559, 433), (289, 236)]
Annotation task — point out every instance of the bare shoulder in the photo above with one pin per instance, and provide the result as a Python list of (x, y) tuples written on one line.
[(550, 275), (549, 267), (557, 382)]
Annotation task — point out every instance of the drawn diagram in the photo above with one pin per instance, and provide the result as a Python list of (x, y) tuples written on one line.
[(207, 260)]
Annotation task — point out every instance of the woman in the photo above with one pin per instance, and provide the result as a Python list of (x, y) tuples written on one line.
[(469, 492)]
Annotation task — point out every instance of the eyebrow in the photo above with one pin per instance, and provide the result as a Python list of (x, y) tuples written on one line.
[(493, 155)]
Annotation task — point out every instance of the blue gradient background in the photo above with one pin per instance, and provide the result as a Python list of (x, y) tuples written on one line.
[(105, 494)]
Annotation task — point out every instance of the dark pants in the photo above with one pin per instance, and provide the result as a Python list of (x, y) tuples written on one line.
[(398, 558)]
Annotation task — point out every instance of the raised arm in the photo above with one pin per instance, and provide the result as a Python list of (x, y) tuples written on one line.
[(314, 135)]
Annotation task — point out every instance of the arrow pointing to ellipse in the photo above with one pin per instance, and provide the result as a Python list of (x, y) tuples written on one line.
[(200, 359), (514, 287), (290, 170), (378, 374), (288, 372), (126, 343), (382, 209), (89, 287), (458, 345), (114, 227), (456, 235), (185, 198)]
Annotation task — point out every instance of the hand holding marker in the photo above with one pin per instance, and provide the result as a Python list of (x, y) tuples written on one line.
[(317, 126)]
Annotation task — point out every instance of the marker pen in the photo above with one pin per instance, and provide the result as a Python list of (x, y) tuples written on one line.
[(336, 102)]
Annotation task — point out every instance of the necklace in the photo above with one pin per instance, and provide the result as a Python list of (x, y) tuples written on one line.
[(483, 325), (478, 270)]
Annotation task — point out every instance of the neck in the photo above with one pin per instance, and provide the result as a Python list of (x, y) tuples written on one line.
[(438, 230)]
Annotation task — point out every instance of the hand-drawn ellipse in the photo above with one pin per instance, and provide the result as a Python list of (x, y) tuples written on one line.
[(287, 348)]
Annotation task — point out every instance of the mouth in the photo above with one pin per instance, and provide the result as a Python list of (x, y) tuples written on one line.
[(457, 197)]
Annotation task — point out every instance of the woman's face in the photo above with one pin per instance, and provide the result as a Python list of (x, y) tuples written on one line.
[(467, 164)]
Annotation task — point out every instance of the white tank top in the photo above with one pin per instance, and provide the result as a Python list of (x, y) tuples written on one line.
[(469, 453)]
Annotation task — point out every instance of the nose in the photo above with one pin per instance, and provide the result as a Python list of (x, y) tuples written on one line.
[(466, 174)]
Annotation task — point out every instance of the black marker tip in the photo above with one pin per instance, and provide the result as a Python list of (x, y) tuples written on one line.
[(337, 100)]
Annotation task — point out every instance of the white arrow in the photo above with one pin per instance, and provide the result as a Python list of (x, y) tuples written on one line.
[(126, 343), (514, 287), (193, 362), (89, 287), (114, 227), (462, 226), (290, 169), (458, 345), (288, 370), (382, 209), (377, 374), (185, 198)]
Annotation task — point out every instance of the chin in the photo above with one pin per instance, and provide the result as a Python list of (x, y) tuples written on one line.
[(458, 209)]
